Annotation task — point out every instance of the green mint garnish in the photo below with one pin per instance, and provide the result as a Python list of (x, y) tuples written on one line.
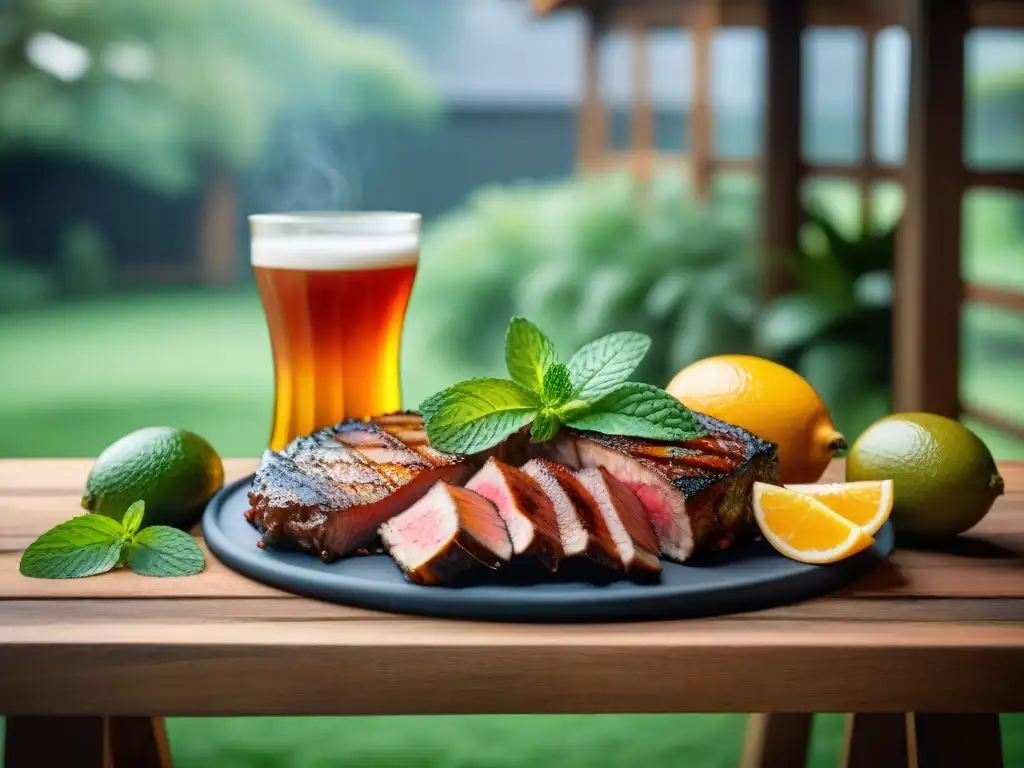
[(132, 520), (528, 354), (544, 427), (92, 544), (600, 366), (480, 413), (557, 388), (639, 410), (590, 393), (82, 546), (160, 550)]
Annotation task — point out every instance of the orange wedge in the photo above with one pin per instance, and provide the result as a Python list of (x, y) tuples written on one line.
[(804, 529), (866, 503)]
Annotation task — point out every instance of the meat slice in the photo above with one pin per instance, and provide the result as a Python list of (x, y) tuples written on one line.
[(448, 531), (329, 492), (580, 523), (625, 518), (527, 511), (697, 493)]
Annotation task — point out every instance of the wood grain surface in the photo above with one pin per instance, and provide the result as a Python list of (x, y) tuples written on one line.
[(941, 631)]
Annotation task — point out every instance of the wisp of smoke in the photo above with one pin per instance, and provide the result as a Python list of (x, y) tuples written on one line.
[(304, 172)]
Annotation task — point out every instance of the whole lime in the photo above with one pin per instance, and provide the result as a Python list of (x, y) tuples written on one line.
[(175, 472), (944, 477)]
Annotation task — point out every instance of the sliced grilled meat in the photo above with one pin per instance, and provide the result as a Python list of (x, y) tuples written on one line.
[(625, 518), (446, 532), (580, 523), (329, 492), (527, 511), (697, 493)]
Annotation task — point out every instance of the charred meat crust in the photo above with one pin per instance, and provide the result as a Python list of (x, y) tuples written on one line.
[(327, 493), (601, 547), (693, 466), (714, 474)]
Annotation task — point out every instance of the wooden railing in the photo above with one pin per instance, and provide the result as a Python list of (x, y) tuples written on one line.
[(930, 290)]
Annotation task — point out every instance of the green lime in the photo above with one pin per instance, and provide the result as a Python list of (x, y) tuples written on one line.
[(173, 471), (944, 477)]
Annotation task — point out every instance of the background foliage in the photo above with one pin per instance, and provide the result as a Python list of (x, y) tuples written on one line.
[(166, 89), (585, 257)]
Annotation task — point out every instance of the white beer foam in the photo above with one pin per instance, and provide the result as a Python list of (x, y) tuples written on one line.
[(335, 252)]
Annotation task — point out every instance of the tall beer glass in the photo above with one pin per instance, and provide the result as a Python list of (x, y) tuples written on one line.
[(335, 288)]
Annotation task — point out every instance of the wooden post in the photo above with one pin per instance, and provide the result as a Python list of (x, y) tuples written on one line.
[(702, 114), (928, 287), (593, 118), (868, 129), (642, 134), (782, 155), (218, 231), (777, 740)]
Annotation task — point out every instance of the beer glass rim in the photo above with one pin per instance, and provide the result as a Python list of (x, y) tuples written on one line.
[(335, 222)]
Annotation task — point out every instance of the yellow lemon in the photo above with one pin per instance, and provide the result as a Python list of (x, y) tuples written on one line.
[(768, 399)]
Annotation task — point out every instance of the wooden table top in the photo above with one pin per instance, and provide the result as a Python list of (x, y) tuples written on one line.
[(935, 630)]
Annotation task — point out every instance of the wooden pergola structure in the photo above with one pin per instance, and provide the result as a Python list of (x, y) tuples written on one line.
[(928, 284)]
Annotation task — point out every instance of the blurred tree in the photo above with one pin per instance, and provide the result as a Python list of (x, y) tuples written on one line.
[(581, 258), (165, 90)]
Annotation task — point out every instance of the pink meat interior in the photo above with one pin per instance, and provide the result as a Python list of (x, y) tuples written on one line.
[(491, 484), (416, 535)]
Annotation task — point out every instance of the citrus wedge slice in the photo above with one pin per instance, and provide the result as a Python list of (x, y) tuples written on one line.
[(866, 503), (804, 529)]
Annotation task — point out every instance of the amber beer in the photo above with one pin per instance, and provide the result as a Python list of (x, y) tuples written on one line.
[(334, 287)]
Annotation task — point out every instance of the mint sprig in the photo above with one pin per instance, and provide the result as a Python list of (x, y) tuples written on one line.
[(91, 544), (591, 392)]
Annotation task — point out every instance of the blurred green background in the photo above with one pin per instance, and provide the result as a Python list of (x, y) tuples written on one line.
[(136, 137)]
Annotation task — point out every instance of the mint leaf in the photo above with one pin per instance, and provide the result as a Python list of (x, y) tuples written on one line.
[(557, 387), (82, 546), (160, 550), (429, 406), (600, 366), (528, 354), (544, 427), (132, 519), (478, 414), (640, 410)]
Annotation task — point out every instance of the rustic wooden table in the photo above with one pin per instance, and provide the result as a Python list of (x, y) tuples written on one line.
[(88, 666)]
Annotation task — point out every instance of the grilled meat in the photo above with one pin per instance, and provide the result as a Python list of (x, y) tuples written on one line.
[(697, 493), (446, 532), (625, 518), (580, 523), (527, 511), (329, 492)]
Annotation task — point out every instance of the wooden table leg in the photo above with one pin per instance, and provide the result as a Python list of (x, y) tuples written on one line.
[(55, 742), (138, 742), (954, 740), (777, 740), (875, 740)]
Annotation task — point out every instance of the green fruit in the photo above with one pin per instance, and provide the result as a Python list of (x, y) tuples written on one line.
[(944, 477), (175, 472)]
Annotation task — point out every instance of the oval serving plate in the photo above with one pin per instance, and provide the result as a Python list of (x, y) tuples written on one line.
[(748, 577)]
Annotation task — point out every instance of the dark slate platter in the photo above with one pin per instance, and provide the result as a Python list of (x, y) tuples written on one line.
[(748, 577)]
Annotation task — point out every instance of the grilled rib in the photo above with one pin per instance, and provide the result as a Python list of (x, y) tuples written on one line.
[(329, 492)]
